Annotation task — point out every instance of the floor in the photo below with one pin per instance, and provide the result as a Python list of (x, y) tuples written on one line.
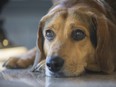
[(26, 78)]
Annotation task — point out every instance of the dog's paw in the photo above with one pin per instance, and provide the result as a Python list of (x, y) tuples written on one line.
[(16, 62), (39, 67)]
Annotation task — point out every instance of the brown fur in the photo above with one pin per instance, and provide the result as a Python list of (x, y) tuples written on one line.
[(67, 15)]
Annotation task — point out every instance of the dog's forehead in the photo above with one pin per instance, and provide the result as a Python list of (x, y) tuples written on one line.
[(74, 13), (65, 15), (56, 21)]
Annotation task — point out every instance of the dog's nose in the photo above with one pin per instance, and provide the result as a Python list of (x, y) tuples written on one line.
[(54, 64)]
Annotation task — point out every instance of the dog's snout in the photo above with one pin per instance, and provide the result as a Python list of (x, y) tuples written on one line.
[(54, 64)]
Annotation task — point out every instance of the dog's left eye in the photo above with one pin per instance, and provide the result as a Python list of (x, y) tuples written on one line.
[(50, 35), (78, 35)]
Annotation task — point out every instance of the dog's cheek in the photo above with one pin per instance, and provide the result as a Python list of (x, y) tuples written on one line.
[(77, 60), (74, 67), (46, 47), (73, 70)]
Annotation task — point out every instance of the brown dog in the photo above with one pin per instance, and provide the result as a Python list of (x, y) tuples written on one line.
[(73, 36)]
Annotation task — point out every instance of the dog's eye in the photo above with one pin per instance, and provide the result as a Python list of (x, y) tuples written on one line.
[(78, 35), (50, 34)]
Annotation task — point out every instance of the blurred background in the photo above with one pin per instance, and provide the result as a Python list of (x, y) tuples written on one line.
[(19, 21)]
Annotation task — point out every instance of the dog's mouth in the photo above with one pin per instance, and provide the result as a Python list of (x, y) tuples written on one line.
[(43, 68), (62, 73)]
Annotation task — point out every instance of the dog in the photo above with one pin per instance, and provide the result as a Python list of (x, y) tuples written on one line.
[(74, 36)]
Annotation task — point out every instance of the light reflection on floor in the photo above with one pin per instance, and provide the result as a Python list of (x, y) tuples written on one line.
[(25, 78)]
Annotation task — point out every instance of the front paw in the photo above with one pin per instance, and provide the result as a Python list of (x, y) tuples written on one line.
[(16, 63)]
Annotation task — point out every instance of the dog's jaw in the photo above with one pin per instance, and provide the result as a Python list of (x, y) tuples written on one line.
[(63, 73), (51, 74)]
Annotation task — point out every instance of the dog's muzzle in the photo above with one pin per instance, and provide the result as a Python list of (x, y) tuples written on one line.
[(54, 63)]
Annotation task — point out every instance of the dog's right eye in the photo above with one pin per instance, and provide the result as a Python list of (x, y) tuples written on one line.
[(50, 35)]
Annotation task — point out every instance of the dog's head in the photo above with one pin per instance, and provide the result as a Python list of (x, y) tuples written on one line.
[(73, 39)]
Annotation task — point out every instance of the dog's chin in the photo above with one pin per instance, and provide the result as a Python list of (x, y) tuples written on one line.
[(54, 74), (62, 74)]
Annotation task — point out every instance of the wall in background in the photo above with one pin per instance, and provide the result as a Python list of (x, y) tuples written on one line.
[(22, 19)]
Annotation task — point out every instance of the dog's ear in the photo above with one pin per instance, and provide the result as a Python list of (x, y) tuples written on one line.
[(40, 40), (104, 50), (39, 44)]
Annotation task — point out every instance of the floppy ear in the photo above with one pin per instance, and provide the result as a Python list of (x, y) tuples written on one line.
[(40, 40), (39, 44), (104, 49)]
